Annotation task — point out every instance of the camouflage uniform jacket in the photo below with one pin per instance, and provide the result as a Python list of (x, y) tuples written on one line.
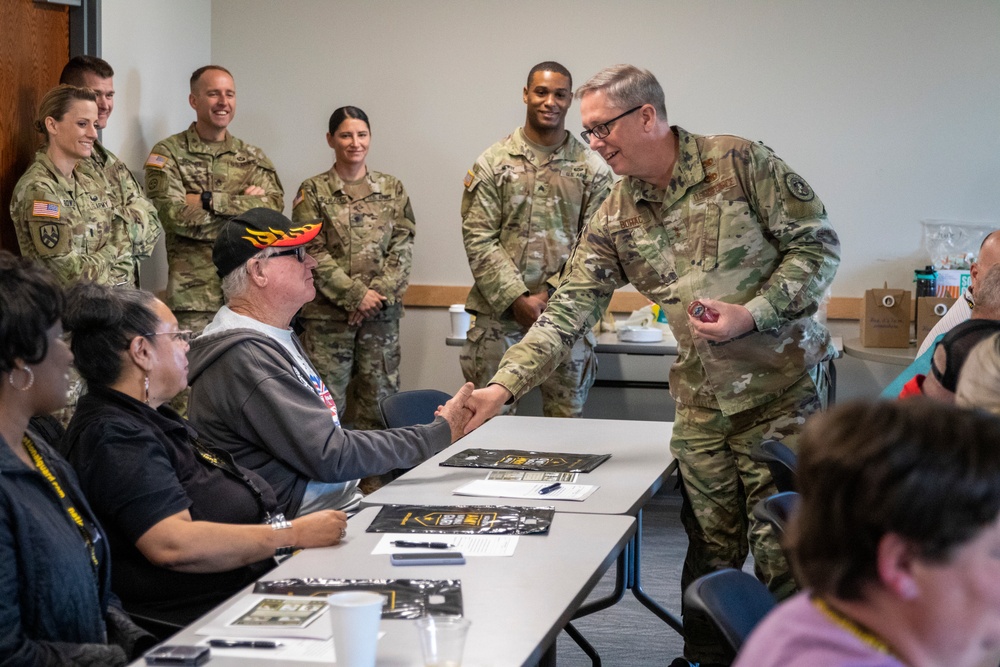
[(73, 225), (184, 164), (142, 222), (365, 243), (522, 216), (735, 224)]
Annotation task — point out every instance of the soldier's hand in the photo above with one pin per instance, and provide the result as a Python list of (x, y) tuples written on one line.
[(527, 308), (456, 410), (369, 307), (734, 320), (255, 191), (193, 199), (486, 403)]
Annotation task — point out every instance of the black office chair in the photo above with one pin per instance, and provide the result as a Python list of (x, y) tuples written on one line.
[(410, 408), (777, 510), (780, 460), (734, 601)]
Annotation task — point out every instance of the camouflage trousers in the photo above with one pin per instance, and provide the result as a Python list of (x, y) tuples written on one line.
[(720, 486), (195, 321), (563, 393), (360, 365)]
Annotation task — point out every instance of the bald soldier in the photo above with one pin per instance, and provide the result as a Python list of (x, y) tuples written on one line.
[(724, 221), (142, 225), (525, 201), (199, 179)]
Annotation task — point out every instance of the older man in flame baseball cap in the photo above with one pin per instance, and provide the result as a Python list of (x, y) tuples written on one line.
[(255, 393)]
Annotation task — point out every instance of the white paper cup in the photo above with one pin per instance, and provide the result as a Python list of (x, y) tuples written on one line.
[(442, 639), (355, 617), (460, 320)]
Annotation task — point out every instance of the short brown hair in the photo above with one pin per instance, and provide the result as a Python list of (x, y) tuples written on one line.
[(196, 75), (57, 102), (79, 65), (926, 471)]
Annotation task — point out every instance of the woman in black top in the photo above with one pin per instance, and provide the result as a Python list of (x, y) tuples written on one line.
[(187, 526), (56, 606)]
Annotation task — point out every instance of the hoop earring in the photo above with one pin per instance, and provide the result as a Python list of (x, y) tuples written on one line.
[(31, 379), (147, 389)]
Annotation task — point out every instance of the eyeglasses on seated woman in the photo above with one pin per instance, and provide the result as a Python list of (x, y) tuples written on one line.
[(188, 527)]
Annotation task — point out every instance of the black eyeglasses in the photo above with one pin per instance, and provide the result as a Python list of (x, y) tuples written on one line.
[(184, 336), (602, 130), (298, 251)]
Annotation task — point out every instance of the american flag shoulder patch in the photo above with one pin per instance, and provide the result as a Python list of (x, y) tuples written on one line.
[(156, 160), (45, 209), (298, 198)]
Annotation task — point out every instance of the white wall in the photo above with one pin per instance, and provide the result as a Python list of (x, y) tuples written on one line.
[(153, 46), (887, 108)]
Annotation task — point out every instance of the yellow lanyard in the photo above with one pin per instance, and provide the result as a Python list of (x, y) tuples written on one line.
[(66, 502), (865, 635)]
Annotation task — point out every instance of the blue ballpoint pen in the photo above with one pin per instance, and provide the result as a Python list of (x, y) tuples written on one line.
[(549, 489)]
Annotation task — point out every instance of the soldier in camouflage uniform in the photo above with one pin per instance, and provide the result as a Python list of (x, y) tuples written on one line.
[(63, 210), (365, 252), (141, 222), (198, 179), (525, 201), (725, 221), (62, 207)]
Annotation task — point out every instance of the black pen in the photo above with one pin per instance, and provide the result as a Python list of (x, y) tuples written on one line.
[(242, 643), (422, 545), (549, 489)]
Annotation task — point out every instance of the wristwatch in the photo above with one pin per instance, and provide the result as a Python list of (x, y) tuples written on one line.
[(206, 201)]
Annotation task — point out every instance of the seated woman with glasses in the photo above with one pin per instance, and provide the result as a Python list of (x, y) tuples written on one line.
[(56, 605), (896, 541), (187, 526)]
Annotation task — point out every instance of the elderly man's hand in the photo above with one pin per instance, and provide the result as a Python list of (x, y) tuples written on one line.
[(485, 404), (734, 320), (456, 411), (370, 305)]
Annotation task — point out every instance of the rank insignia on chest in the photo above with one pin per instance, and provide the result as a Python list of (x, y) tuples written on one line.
[(49, 236), (45, 209)]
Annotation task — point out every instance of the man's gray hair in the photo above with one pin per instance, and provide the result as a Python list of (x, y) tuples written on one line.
[(237, 282), (627, 86)]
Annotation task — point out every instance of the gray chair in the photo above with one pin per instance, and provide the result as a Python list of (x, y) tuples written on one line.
[(733, 600), (777, 510), (411, 408), (780, 460)]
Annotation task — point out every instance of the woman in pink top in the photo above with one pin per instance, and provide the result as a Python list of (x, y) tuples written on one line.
[(897, 542)]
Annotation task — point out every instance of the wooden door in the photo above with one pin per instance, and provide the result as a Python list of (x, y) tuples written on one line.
[(33, 51)]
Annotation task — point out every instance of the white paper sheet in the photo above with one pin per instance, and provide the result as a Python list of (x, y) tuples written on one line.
[(497, 489), (467, 545)]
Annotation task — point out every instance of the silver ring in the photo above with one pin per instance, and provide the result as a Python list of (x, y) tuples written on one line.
[(343, 533), (888, 301)]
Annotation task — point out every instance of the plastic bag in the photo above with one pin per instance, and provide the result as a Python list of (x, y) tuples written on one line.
[(951, 244)]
